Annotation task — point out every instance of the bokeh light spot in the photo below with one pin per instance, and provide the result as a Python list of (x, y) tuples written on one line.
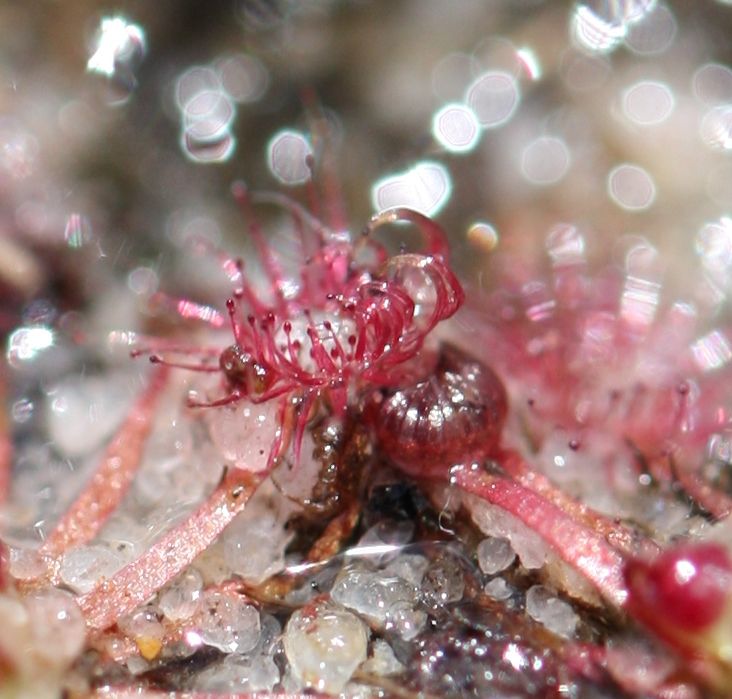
[(117, 50), (716, 128), (243, 77), (24, 344), (425, 188), (77, 230), (117, 41), (493, 97), (483, 236), (647, 102), (545, 160), (599, 26), (456, 128), (592, 32), (712, 84), (713, 244), (530, 62), (631, 187), (207, 115), (288, 153), (654, 34)]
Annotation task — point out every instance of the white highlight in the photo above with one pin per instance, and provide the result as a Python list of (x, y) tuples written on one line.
[(116, 39), (425, 188)]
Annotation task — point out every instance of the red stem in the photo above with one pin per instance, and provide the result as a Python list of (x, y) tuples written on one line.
[(110, 482), (578, 545), (170, 554), (618, 536)]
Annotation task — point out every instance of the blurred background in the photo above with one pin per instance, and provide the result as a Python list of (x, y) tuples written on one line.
[(123, 125)]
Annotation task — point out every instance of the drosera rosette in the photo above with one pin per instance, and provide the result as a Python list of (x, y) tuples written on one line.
[(601, 365), (345, 346), (340, 325), (307, 383), (352, 326), (619, 403)]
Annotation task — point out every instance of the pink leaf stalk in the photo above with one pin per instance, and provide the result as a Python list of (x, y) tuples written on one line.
[(114, 474), (578, 545), (170, 554), (617, 535)]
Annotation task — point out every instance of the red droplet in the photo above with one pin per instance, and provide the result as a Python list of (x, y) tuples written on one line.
[(686, 587)]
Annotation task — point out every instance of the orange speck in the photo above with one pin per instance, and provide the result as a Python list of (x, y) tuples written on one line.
[(148, 647)]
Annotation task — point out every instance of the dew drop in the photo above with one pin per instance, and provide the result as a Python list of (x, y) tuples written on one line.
[(84, 567), (181, 598), (227, 622), (57, 625)]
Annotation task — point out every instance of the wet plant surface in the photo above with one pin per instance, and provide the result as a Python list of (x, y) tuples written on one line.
[(470, 438)]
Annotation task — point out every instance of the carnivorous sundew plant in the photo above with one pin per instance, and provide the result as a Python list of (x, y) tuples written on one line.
[(252, 445), (346, 421)]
